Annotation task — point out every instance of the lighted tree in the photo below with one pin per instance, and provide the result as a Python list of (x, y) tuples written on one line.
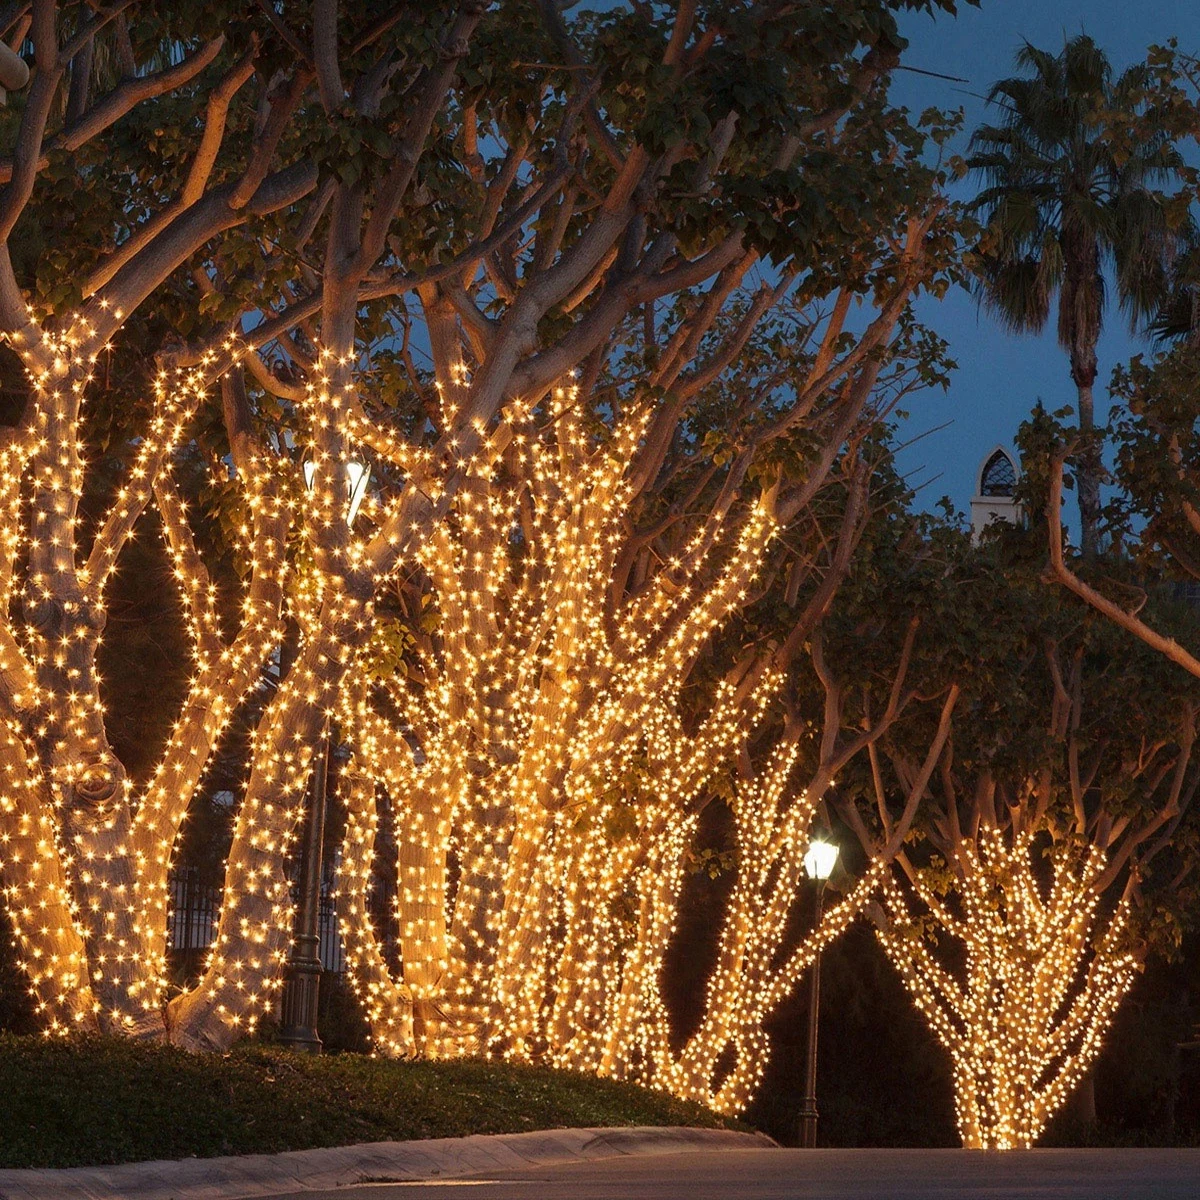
[(523, 197), (759, 959), (82, 853), (1010, 919), (553, 774)]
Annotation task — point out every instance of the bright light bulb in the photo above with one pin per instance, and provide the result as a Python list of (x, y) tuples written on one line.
[(358, 475), (820, 859)]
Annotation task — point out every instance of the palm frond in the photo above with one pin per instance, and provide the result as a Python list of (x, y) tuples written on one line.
[(1061, 202), (1014, 291)]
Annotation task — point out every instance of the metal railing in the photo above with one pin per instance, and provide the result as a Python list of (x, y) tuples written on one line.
[(196, 908)]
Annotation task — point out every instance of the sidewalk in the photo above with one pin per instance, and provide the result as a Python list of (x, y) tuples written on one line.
[(315, 1170)]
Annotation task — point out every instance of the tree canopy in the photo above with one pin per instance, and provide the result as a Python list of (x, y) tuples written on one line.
[(1082, 180)]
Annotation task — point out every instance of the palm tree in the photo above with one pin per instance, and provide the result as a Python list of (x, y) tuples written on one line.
[(1074, 180)]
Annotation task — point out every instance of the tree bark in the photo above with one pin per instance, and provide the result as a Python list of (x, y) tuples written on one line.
[(1087, 474)]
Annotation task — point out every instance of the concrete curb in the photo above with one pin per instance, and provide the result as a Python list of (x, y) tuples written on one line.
[(309, 1170)]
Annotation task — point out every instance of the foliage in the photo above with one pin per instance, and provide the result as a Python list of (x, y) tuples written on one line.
[(88, 1102), (1082, 180)]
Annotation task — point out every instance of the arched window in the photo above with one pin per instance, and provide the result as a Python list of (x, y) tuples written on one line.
[(999, 476)]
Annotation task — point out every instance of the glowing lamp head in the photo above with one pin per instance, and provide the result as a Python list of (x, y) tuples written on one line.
[(358, 476), (819, 859)]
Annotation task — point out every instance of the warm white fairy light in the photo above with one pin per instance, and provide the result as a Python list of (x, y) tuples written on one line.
[(510, 772), (537, 884), (85, 859), (1045, 972), (72, 856)]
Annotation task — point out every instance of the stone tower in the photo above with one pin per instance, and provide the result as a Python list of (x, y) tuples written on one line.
[(995, 485)]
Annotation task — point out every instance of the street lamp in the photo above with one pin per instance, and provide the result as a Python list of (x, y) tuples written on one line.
[(358, 476), (819, 861), (298, 1009)]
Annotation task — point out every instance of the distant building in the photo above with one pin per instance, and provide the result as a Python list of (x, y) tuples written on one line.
[(994, 498)]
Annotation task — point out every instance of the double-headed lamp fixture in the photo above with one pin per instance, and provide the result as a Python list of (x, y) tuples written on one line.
[(358, 476)]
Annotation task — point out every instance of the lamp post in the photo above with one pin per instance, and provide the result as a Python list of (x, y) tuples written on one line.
[(301, 991), (298, 1015), (819, 861)]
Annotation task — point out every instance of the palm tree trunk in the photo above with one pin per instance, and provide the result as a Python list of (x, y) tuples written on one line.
[(1080, 318), (1088, 474), (1083, 372)]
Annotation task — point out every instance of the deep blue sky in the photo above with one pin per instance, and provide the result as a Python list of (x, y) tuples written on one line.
[(1001, 375)]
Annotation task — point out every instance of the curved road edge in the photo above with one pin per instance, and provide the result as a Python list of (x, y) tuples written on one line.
[(371, 1162)]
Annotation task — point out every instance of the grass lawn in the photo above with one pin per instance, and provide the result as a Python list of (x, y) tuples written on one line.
[(95, 1101)]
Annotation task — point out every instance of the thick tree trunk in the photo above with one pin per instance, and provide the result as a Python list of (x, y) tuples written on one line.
[(245, 968), (96, 825), (1088, 473), (37, 894), (1082, 1105), (1081, 308), (421, 912), (387, 1003)]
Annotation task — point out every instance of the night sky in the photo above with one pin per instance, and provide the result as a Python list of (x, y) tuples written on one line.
[(999, 375)]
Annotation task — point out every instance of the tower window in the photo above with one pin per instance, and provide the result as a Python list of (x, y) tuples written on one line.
[(999, 476)]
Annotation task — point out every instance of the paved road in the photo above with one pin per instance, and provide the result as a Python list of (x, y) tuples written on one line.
[(828, 1175)]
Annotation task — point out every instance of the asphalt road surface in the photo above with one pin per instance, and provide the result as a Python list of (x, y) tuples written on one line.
[(826, 1175)]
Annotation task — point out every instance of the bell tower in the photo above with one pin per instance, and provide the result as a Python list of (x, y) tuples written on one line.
[(994, 498)]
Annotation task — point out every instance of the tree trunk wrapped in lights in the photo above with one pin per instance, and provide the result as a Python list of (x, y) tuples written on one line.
[(600, 966), (559, 244), (551, 779), (86, 853), (1045, 971), (722, 1062), (1013, 920)]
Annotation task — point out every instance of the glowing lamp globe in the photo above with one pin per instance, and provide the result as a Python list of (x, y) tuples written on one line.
[(820, 859), (358, 476)]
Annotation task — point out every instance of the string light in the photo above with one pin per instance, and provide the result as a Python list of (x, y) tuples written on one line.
[(85, 860), (1045, 972), (537, 880), (69, 860)]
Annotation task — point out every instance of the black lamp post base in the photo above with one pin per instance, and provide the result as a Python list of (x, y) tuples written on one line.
[(808, 1124), (808, 1103), (298, 1012)]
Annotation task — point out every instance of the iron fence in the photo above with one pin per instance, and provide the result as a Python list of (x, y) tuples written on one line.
[(196, 908)]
